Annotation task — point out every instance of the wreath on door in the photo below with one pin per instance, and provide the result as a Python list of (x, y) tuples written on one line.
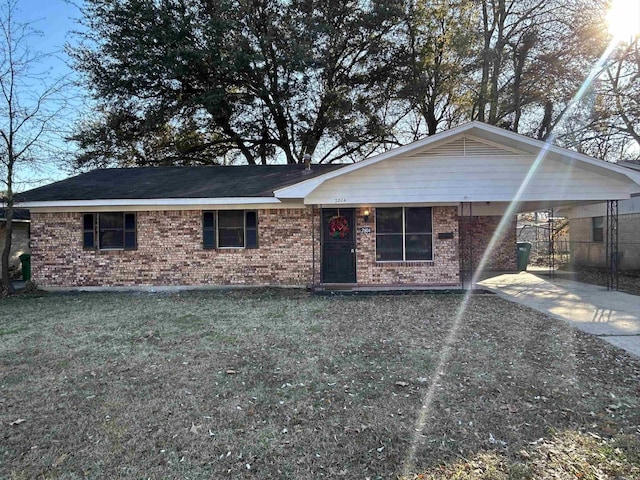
[(339, 226)]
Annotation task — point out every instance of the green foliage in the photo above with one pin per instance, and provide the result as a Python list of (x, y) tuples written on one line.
[(261, 79)]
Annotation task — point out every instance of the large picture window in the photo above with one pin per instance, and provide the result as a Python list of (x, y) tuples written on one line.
[(404, 234), (109, 231), (230, 229)]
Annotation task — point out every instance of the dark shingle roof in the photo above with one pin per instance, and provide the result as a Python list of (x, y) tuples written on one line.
[(175, 182)]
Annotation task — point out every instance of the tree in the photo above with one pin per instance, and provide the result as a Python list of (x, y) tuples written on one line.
[(512, 63), (623, 89), (30, 105), (437, 42), (531, 59), (264, 80), (260, 81)]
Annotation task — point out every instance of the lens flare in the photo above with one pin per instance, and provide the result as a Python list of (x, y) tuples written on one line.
[(623, 19), (421, 425)]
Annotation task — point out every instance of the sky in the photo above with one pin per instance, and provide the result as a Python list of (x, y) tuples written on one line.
[(54, 20)]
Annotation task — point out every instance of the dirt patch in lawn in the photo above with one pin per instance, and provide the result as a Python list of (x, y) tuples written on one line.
[(279, 384)]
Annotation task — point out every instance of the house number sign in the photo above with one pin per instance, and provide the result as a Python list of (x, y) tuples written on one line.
[(365, 229)]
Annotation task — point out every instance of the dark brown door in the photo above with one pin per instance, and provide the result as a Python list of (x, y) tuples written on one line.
[(338, 245)]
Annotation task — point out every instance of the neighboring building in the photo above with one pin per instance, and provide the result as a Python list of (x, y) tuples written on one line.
[(20, 237), (416, 216), (588, 232)]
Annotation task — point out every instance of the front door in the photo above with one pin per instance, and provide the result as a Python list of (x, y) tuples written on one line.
[(338, 245)]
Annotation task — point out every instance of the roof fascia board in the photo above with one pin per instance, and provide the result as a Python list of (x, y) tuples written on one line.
[(144, 202)]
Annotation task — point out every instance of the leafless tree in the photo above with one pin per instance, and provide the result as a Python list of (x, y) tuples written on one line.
[(31, 105)]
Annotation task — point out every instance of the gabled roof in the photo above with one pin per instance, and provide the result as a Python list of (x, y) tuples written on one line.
[(174, 183), (474, 162), (475, 131)]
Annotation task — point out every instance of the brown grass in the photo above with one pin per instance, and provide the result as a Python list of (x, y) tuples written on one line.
[(279, 384), (628, 282)]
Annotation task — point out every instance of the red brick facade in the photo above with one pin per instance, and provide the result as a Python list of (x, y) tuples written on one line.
[(444, 270), (170, 252), (481, 229)]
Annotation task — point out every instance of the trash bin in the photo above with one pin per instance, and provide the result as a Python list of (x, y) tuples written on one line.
[(524, 249), (25, 260)]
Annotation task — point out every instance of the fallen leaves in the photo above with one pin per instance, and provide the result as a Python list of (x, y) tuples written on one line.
[(60, 460)]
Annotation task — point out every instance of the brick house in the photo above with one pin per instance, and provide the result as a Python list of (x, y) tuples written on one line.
[(587, 229), (416, 216)]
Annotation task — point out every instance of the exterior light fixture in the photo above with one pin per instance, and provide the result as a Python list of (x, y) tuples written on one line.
[(366, 214)]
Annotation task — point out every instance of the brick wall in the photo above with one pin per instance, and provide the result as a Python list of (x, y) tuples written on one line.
[(586, 253), (479, 231), (443, 270), (170, 252)]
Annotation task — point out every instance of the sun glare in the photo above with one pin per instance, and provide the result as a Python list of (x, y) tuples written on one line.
[(624, 19)]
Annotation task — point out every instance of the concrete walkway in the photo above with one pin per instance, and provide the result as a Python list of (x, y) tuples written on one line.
[(613, 316)]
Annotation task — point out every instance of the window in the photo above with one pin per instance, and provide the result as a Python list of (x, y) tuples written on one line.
[(404, 234), (597, 229), (230, 229), (109, 231)]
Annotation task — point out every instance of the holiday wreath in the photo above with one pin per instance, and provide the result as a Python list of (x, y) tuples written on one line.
[(338, 226)]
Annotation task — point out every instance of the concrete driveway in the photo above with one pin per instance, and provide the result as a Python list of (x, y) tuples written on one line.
[(613, 316)]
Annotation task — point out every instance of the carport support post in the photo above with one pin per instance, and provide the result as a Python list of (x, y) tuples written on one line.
[(551, 249), (611, 247), (466, 244)]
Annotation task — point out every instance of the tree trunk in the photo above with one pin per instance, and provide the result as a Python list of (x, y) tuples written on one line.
[(6, 252), (498, 52), (486, 62)]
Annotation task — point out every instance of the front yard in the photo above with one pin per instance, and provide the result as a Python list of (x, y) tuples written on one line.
[(282, 384)]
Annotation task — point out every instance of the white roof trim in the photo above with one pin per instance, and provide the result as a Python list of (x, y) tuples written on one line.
[(302, 189), (142, 202)]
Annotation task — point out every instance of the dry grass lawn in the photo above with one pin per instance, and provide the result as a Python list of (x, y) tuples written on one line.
[(628, 282), (287, 385)]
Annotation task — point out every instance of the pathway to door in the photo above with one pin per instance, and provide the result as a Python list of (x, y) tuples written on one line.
[(612, 316)]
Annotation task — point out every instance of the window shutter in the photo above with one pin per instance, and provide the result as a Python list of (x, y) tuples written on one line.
[(89, 231), (208, 230), (251, 225), (130, 237)]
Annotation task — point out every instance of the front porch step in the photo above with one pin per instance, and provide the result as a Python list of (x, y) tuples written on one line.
[(341, 288)]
